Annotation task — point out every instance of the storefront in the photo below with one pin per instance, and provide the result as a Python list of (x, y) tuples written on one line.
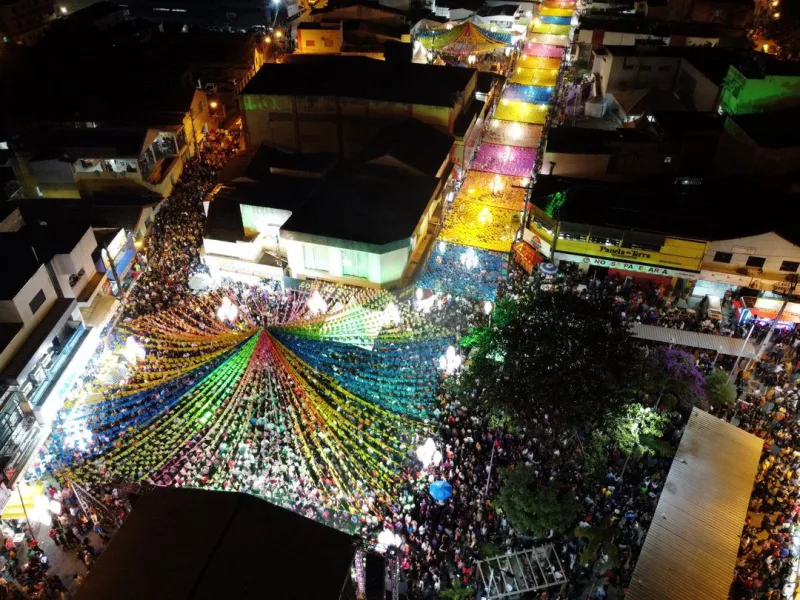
[(526, 256), (765, 311), (655, 274)]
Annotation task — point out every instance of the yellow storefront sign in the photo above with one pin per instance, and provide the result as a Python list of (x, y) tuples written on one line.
[(675, 253)]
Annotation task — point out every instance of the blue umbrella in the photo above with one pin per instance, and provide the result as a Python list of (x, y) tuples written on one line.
[(546, 268), (441, 490)]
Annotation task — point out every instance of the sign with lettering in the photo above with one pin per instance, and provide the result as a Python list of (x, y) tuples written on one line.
[(626, 266)]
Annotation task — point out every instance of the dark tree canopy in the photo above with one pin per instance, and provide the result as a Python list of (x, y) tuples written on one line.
[(534, 511), (557, 354)]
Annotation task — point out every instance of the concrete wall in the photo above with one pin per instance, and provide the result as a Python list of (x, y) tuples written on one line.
[(383, 269), (65, 265), (692, 86), (635, 72)]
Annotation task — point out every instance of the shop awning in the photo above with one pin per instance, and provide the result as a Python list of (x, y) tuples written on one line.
[(466, 38), (691, 547), (692, 339), (14, 508)]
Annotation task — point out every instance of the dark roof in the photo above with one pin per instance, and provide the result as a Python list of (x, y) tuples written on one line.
[(587, 140), (677, 123), (276, 191), (361, 77), (486, 79), (637, 102), (98, 142), (778, 129), (412, 143), (219, 545), (508, 10), (98, 211), (333, 5), (98, 10), (16, 272), (373, 205), (710, 211), (268, 160), (626, 24), (656, 27), (224, 221)]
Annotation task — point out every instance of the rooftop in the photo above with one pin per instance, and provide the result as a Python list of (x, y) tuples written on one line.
[(711, 62), (266, 160), (98, 211), (637, 102), (655, 27), (245, 544), (778, 129), (412, 143), (677, 123), (16, 272), (709, 211), (361, 77), (588, 140), (372, 205), (508, 10), (98, 10), (98, 142)]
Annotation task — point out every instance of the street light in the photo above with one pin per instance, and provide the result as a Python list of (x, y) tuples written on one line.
[(213, 104), (63, 10)]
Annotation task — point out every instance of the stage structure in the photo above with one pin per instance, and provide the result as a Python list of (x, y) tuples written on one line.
[(510, 575)]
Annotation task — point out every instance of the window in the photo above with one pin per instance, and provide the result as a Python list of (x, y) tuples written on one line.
[(723, 257), (315, 257), (355, 263), (147, 222), (664, 68), (646, 67), (755, 261), (328, 43), (37, 301), (310, 43), (790, 266)]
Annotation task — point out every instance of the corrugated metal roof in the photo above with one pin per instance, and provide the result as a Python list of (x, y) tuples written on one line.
[(706, 341), (691, 548)]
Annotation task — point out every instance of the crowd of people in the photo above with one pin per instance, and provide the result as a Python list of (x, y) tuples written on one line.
[(172, 250), (768, 409), (441, 540)]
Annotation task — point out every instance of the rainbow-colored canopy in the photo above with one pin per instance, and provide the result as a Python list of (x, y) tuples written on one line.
[(466, 38)]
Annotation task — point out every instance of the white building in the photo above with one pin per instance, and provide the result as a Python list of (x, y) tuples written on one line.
[(766, 261)]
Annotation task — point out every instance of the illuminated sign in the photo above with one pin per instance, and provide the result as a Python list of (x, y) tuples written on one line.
[(625, 266), (674, 254)]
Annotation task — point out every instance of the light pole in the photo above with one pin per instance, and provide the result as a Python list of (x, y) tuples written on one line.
[(276, 6)]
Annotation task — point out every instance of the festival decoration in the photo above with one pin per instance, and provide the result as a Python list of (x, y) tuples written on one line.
[(535, 94), (481, 226), (311, 407), (533, 49), (504, 160), (509, 133), (521, 112), (541, 77), (555, 12), (554, 20), (462, 271), (538, 62), (466, 38)]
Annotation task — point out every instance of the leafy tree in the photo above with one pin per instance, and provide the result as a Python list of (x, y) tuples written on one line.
[(534, 511), (719, 391), (636, 429), (557, 354), (671, 371), (457, 592)]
